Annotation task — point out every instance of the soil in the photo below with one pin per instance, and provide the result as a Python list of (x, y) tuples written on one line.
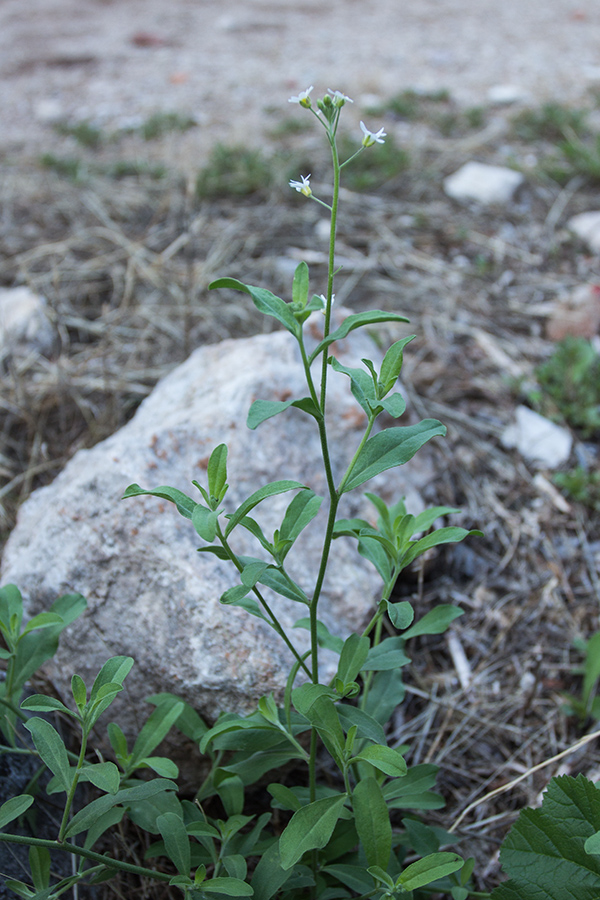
[(124, 258)]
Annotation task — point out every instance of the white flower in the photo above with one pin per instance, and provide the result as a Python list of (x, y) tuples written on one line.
[(324, 299), (338, 99), (303, 98), (371, 138), (303, 186)]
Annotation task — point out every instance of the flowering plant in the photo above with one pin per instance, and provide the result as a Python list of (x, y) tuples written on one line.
[(341, 829)]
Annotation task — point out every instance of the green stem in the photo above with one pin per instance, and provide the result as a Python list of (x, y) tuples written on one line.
[(274, 623), (72, 789), (356, 455), (88, 854)]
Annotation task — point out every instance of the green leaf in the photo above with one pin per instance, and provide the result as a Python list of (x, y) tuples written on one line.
[(450, 535), (265, 302), (356, 320), (324, 636), (52, 750), (544, 852), (591, 670), (368, 727), (14, 808), (425, 520), (162, 765), (155, 729), (269, 490), (91, 813), (205, 521), (384, 758), (302, 510), (436, 621), (392, 363), (108, 820), (395, 405), (387, 692), (310, 828), (261, 410), (269, 876), (372, 822), (592, 845), (185, 505), (43, 703), (284, 797), (238, 596), (117, 739), (231, 887), (230, 789), (389, 654), (430, 868), (352, 658), (177, 843), (79, 692), (390, 448), (11, 608), (353, 877), (103, 775), (300, 286), (401, 614), (42, 620), (39, 863), (217, 472), (361, 385), (275, 579)]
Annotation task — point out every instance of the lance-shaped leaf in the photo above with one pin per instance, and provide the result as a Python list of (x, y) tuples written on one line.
[(302, 510), (229, 887), (177, 843), (384, 758), (356, 320), (310, 828), (185, 505), (265, 302), (91, 813), (155, 729), (261, 410), (430, 868), (436, 621), (392, 363), (52, 750), (401, 614), (450, 535), (368, 727), (300, 286), (353, 657), (269, 876), (390, 448), (372, 822), (389, 654), (217, 472), (14, 808), (361, 385), (269, 490)]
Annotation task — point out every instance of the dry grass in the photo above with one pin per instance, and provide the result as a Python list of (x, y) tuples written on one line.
[(125, 270)]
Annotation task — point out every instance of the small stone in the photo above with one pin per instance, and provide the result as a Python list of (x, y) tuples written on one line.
[(483, 183), (24, 323), (505, 94), (48, 109), (539, 440), (587, 227), (323, 229), (578, 315)]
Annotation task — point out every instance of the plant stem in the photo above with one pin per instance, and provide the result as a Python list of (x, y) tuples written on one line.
[(274, 623), (73, 788), (88, 854)]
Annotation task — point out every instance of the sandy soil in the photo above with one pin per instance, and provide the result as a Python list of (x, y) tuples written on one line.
[(115, 61)]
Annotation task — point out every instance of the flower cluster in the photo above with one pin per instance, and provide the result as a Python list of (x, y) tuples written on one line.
[(328, 112)]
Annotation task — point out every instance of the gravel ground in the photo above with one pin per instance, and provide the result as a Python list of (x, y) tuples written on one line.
[(115, 61)]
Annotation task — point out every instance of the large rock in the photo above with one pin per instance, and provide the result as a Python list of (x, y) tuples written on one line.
[(150, 594)]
